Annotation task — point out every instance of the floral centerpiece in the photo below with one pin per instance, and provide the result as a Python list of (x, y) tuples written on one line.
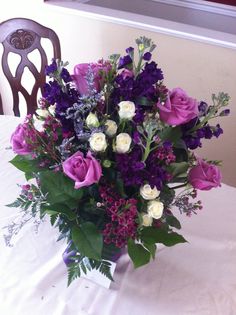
[(113, 148)]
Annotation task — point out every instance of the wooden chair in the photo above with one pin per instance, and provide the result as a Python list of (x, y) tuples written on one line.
[(22, 36)]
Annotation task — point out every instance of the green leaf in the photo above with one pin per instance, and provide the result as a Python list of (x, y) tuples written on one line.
[(171, 134), (53, 218), (25, 164), (173, 221), (167, 195), (88, 240), (16, 204), (29, 175), (59, 189), (74, 272), (151, 248), (139, 255), (178, 169), (105, 269), (120, 186), (152, 235), (144, 101), (58, 208)]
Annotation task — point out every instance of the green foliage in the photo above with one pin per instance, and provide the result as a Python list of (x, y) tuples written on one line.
[(178, 169), (88, 240), (83, 264), (139, 255), (74, 270), (172, 134), (58, 208), (103, 266), (59, 189), (167, 195), (173, 221), (25, 164), (152, 235), (152, 249)]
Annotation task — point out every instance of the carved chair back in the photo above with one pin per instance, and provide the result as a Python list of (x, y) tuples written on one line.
[(22, 36)]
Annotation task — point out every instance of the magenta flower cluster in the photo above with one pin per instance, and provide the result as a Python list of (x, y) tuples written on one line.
[(123, 214)]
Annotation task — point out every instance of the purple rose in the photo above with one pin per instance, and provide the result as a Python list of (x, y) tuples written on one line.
[(204, 176), (81, 72), (179, 108), (19, 140), (85, 171)]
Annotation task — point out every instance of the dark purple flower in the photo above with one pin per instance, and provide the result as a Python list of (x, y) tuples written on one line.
[(147, 56), (129, 50), (135, 172), (208, 132), (217, 131), (124, 61), (202, 107), (200, 133), (51, 68), (225, 112), (192, 142), (65, 75), (167, 145), (136, 137)]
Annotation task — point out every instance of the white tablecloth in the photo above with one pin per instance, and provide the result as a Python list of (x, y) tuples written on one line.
[(197, 278)]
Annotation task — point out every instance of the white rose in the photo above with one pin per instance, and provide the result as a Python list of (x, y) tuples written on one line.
[(149, 193), (92, 120), (42, 113), (111, 127), (123, 142), (127, 110), (98, 142), (155, 209), (147, 220)]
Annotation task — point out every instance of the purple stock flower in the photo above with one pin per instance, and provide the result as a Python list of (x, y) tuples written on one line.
[(129, 50), (192, 142), (124, 61), (147, 56), (51, 68), (134, 172), (202, 107), (136, 137), (225, 112), (217, 131), (65, 75)]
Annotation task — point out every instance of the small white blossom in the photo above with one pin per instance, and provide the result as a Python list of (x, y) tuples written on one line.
[(92, 120), (155, 209), (98, 142), (126, 110), (123, 142), (111, 128), (149, 193), (146, 219)]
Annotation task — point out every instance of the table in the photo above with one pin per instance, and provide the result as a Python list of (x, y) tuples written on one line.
[(197, 278)]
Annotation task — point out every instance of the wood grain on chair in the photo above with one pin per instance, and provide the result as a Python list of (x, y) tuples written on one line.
[(22, 36)]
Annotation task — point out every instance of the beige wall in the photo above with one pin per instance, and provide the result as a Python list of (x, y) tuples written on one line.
[(200, 69)]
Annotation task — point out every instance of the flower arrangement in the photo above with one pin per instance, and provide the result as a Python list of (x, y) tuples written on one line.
[(113, 158)]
